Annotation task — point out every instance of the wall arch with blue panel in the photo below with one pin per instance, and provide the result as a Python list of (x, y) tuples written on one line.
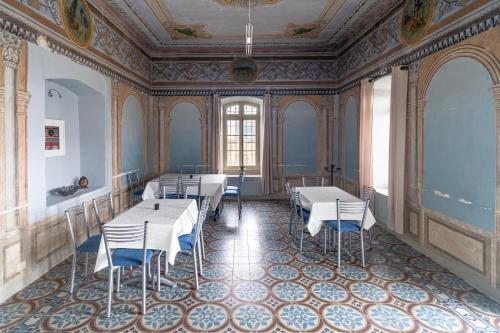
[(184, 140), (133, 136), (459, 171), (351, 140), (300, 139)]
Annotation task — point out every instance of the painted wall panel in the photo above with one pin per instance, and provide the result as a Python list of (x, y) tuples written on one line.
[(351, 139), (300, 138), (460, 144), (133, 136), (184, 143)]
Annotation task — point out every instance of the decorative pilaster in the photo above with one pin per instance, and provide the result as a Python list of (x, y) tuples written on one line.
[(115, 86), (23, 99), (11, 49), (275, 108), (411, 144), (209, 120), (496, 93), (420, 167)]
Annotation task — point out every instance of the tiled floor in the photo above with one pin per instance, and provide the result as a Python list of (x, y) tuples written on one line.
[(255, 280)]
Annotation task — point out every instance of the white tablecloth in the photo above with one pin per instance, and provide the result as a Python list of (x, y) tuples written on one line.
[(174, 218), (212, 185), (322, 202)]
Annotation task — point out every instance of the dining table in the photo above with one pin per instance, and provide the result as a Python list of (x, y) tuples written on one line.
[(173, 218), (322, 203), (212, 185)]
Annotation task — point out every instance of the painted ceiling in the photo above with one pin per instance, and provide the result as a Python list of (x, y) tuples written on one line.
[(162, 25)]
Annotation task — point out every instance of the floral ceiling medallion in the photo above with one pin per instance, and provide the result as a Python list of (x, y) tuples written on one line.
[(77, 21), (244, 3), (416, 18)]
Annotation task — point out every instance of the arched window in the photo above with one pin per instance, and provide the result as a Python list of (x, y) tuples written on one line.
[(241, 137)]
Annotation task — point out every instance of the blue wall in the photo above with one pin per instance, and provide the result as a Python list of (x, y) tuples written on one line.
[(300, 138), (460, 144), (184, 136), (351, 139), (133, 155)]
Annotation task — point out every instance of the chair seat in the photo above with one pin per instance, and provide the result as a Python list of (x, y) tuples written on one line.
[(345, 225), (231, 193), (139, 192), (187, 241), (231, 187), (90, 245), (130, 257)]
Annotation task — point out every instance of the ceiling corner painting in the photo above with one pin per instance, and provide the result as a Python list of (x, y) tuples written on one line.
[(77, 20), (416, 18), (244, 71)]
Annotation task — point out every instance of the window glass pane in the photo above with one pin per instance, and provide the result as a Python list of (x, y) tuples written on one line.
[(250, 110), (233, 142), (233, 158), (233, 127), (249, 127), (249, 158), (249, 143), (233, 109)]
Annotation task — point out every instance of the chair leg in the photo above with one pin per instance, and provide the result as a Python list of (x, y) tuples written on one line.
[(195, 269), (200, 258), (350, 243), (239, 207), (158, 267), (86, 264), (339, 235), (73, 273), (110, 291), (301, 236), (370, 238), (362, 249), (144, 287), (202, 242), (118, 279), (326, 239)]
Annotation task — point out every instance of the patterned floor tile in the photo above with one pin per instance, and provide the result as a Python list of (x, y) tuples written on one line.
[(255, 280)]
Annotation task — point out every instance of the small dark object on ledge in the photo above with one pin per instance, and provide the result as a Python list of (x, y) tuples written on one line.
[(65, 190)]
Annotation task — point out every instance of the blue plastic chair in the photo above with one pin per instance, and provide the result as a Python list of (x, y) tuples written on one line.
[(235, 191), (191, 242), (126, 257), (74, 215), (349, 225)]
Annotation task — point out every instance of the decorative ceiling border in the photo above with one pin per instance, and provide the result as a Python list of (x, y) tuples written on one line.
[(459, 34), (29, 34), (108, 43), (243, 92)]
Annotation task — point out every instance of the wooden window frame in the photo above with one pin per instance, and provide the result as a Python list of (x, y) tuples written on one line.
[(250, 170)]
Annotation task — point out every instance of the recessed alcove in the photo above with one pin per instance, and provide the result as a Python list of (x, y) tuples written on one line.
[(79, 110)]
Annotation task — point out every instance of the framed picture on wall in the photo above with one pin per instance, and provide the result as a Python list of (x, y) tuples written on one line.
[(54, 138)]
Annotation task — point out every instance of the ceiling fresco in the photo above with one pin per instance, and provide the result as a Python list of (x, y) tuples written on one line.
[(169, 24)]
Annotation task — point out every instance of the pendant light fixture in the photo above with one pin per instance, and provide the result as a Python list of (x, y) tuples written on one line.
[(249, 33)]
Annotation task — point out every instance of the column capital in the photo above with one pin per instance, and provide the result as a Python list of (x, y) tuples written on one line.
[(414, 72), (275, 101), (11, 49)]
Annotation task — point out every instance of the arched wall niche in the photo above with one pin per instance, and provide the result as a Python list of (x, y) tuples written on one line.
[(314, 103), (479, 260), (349, 149), (166, 105), (184, 138), (124, 93), (133, 136)]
